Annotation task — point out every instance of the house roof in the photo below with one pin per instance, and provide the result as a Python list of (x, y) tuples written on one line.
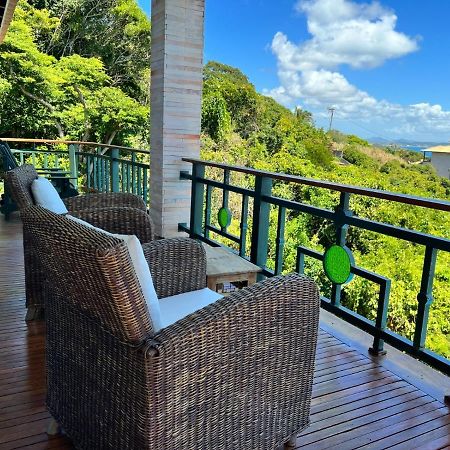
[(7, 8), (439, 149)]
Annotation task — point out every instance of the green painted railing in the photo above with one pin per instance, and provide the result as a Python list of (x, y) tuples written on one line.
[(253, 237), (91, 167)]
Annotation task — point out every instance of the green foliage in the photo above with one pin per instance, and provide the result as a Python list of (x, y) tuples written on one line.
[(357, 157), (115, 31), (216, 120), (64, 94), (231, 107), (352, 139)]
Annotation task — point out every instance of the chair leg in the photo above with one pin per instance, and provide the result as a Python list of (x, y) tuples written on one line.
[(291, 443), (53, 428)]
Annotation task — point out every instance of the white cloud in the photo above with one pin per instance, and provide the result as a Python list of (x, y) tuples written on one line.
[(358, 35), (343, 32)]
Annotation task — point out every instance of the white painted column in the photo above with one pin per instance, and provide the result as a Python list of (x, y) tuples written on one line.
[(176, 96)]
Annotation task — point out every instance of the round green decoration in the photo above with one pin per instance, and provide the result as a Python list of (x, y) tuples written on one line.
[(224, 217), (337, 263)]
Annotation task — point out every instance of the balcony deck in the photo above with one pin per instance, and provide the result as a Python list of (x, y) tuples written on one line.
[(357, 401)]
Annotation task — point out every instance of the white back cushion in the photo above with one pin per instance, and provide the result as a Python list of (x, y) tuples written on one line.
[(47, 196), (141, 269), (178, 306)]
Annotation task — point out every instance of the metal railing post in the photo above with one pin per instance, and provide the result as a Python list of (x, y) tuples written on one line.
[(377, 348), (73, 164), (342, 211), (425, 297), (261, 217), (115, 182), (197, 196)]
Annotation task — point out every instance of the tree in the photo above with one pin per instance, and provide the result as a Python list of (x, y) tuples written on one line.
[(116, 31), (73, 94)]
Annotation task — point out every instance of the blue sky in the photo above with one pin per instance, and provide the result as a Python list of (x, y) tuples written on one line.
[(384, 66)]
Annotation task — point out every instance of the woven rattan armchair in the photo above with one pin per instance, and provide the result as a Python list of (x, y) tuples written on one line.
[(235, 375), (115, 212)]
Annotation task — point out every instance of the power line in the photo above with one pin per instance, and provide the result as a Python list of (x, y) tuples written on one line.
[(377, 134)]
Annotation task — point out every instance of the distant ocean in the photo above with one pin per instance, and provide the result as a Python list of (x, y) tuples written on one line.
[(413, 148)]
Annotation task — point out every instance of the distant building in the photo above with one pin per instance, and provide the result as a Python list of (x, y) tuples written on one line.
[(440, 159)]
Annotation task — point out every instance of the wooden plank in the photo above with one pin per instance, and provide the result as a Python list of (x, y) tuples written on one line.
[(416, 436), (365, 429), (360, 402), (340, 415)]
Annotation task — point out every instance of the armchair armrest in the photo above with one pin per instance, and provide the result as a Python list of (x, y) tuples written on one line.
[(177, 265), (104, 200), (120, 220), (247, 358)]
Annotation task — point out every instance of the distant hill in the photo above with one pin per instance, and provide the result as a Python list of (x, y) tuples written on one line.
[(404, 142)]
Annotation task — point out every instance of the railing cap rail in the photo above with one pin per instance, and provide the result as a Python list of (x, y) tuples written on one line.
[(368, 192), (89, 144)]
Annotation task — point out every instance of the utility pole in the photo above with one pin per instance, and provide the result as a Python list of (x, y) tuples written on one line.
[(332, 110)]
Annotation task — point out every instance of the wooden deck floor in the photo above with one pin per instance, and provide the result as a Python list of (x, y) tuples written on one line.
[(357, 403)]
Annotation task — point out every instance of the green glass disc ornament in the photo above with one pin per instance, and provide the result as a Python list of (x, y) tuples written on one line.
[(224, 217), (337, 264)]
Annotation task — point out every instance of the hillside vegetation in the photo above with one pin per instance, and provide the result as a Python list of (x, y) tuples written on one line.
[(243, 127), (79, 69)]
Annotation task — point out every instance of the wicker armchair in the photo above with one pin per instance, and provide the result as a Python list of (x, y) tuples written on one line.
[(115, 212), (235, 375)]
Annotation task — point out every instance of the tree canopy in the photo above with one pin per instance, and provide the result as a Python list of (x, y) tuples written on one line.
[(51, 89)]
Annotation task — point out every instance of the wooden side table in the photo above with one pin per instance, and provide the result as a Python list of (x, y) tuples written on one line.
[(223, 266)]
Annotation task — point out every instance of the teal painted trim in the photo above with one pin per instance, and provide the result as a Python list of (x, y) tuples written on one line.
[(88, 174), (197, 196), (73, 166), (139, 181), (342, 211), (133, 173), (145, 184), (261, 217), (128, 178), (425, 297), (226, 192), (229, 236), (382, 315), (115, 178), (207, 210), (244, 227), (279, 249), (123, 177)]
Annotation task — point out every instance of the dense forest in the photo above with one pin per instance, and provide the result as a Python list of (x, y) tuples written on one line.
[(79, 69)]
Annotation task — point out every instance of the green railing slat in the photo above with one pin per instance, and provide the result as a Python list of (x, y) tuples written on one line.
[(145, 193), (425, 297), (261, 217), (207, 211), (244, 227), (279, 249), (133, 173)]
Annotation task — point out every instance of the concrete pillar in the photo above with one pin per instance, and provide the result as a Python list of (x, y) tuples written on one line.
[(176, 95)]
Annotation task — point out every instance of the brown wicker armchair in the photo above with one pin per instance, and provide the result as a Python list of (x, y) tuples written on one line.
[(115, 212), (235, 375)]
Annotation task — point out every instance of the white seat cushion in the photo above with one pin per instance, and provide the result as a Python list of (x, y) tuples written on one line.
[(178, 306), (47, 196), (141, 269)]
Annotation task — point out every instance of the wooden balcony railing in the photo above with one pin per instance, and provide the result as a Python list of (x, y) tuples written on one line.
[(254, 227), (92, 167)]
